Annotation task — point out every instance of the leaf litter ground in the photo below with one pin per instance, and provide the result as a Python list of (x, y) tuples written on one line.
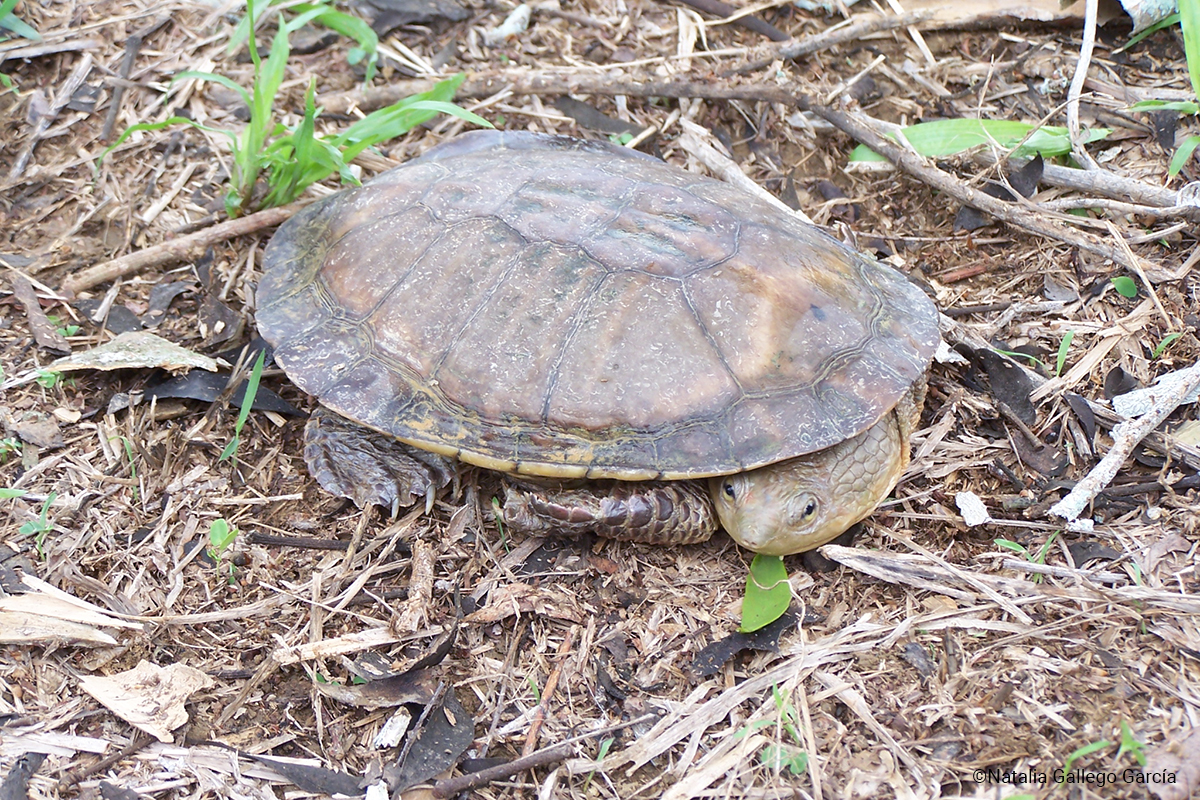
[(938, 650)]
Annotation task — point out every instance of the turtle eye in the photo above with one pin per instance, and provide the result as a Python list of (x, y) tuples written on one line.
[(804, 511), (729, 492)]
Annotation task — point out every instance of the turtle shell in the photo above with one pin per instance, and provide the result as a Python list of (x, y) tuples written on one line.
[(552, 306)]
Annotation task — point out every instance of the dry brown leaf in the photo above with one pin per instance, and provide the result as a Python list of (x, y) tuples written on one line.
[(148, 696), (521, 598)]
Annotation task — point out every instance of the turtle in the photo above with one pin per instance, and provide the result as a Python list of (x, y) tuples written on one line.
[(646, 353)]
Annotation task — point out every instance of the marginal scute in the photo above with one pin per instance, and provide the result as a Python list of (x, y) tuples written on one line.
[(563, 308)]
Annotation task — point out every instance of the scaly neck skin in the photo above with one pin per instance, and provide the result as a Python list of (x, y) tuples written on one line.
[(802, 503)]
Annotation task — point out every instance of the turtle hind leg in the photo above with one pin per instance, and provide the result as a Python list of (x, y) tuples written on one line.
[(651, 512), (369, 467)]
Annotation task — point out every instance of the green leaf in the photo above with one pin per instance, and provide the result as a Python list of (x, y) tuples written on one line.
[(220, 535), (778, 757), (1130, 744), (1165, 343), (247, 404), (212, 78), (354, 28), (1165, 22), (158, 126), (10, 22), (947, 137), (1063, 346), (1189, 107), (1125, 286), (768, 593), (1086, 750), (9, 494), (1182, 155), (1189, 20), (1008, 544)]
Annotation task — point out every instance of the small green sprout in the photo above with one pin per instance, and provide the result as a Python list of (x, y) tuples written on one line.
[(1063, 346), (230, 450), (9, 446), (220, 536), (1130, 744), (62, 328), (40, 527), (1165, 343), (1086, 750), (1034, 558), (48, 378), (601, 753), (779, 756)]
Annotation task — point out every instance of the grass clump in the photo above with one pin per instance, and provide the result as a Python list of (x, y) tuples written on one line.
[(295, 158)]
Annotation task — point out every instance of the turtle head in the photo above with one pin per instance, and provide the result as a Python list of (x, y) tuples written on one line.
[(802, 503)]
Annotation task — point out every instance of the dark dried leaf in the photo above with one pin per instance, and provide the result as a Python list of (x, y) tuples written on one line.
[(84, 99), (1165, 123), (445, 736), (218, 322), (207, 387), (710, 659), (1083, 412), (413, 686), (118, 318), (1118, 382), (38, 428), (915, 655), (1024, 181), (1045, 459), (161, 297), (312, 779), (441, 649), (1010, 384), (591, 118), (387, 15), (110, 791), (1090, 550), (45, 333), (850, 212), (752, 23), (15, 785)]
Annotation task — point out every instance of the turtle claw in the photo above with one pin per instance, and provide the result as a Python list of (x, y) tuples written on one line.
[(371, 468)]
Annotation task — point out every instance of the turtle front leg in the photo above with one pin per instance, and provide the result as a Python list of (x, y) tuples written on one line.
[(369, 467), (651, 512)]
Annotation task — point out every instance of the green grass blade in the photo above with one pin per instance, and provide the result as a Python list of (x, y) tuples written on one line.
[(1188, 107), (1189, 20), (1165, 22), (241, 32), (352, 27), (1182, 155), (948, 137), (1063, 347), (247, 405), (213, 78), (158, 126), (11, 22)]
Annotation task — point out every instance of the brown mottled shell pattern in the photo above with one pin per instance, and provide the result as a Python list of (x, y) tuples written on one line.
[(550, 306)]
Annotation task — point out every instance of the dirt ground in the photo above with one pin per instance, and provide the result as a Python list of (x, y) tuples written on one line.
[(1010, 656)]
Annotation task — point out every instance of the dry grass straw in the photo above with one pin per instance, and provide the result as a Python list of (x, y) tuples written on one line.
[(1026, 663)]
